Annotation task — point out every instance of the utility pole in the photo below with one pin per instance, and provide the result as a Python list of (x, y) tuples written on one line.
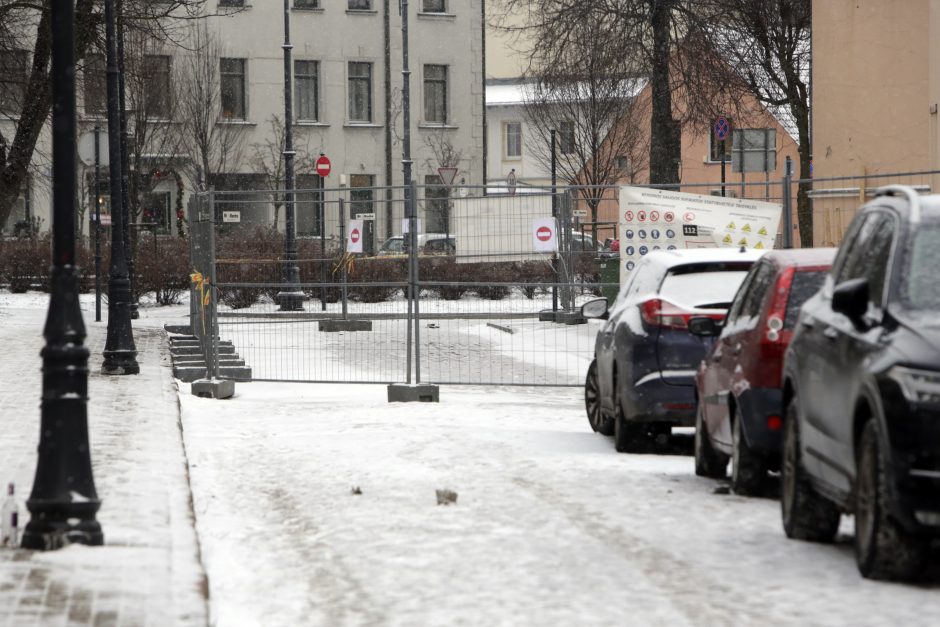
[(290, 298), (125, 167), (63, 503), (120, 353)]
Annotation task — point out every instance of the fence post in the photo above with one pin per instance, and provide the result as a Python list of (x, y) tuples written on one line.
[(416, 290), (788, 203), (566, 279), (212, 360), (342, 262), (412, 240)]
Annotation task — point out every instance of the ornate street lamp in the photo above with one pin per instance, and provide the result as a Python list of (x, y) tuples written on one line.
[(120, 354), (63, 501)]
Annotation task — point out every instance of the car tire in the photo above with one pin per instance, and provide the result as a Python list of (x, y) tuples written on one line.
[(708, 462), (592, 403), (748, 468), (629, 436), (806, 515), (883, 549)]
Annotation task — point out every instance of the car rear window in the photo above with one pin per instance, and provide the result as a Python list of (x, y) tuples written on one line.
[(703, 286), (805, 284)]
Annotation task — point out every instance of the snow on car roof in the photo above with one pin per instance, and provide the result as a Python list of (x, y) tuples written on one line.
[(673, 258)]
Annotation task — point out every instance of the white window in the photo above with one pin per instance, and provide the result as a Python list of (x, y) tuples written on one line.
[(566, 137), (307, 90), (435, 94), (434, 6), (512, 140), (234, 103)]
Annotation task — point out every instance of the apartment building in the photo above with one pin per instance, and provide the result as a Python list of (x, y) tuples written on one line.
[(347, 104)]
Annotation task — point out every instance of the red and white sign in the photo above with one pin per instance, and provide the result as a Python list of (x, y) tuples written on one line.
[(545, 235), (654, 216), (324, 167), (641, 216), (628, 216), (669, 216), (354, 239), (689, 217)]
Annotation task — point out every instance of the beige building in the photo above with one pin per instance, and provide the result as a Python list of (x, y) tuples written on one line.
[(341, 76), (876, 86)]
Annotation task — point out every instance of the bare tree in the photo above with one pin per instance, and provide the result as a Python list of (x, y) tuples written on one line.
[(659, 36), (25, 26), (214, 143), (767, 42), (588, 99), (267, 158)]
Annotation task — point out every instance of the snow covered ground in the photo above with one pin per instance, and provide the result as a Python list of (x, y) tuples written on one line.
[(551, 525)]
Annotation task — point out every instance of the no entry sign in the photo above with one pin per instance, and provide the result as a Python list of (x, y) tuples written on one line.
[(354, 239), (544, 235), (324, 166)]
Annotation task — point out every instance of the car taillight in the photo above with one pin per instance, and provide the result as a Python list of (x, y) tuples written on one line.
[(661, 313), (778, 308)]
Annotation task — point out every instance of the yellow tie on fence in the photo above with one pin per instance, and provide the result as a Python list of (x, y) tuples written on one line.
[(204, 294)]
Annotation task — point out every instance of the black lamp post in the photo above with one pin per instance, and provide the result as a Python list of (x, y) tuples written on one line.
[(290, 298), (125, 168), (63, 501), (120, 354)]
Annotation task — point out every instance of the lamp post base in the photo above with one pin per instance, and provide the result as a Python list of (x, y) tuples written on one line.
[(120, 362), (290, 301), (51, 530)]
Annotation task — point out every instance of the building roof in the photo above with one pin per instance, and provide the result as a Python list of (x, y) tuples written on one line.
[(518, 91)]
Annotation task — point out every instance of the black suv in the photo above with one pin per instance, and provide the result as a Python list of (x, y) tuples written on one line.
[(862, 391)]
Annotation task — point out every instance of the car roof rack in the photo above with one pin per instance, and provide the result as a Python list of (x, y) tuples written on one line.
[(913, 198)]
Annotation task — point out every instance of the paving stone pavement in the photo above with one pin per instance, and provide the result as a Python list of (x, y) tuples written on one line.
[(149, 571)]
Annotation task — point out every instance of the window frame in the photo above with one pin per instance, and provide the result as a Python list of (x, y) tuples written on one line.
[(369, 8), (301, 78), (14, 81), (370, 92), (567, 138), (161, 91), (429, 87), (441, 11), (506, 125), (244, 88), (301, 5), (94, 81)]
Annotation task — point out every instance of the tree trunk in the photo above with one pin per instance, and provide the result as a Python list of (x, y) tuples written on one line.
[(804, 205), (665, 140)]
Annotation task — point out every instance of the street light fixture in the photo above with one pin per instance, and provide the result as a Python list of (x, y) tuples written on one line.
[(63, 502), (290, 298), (120, 353)]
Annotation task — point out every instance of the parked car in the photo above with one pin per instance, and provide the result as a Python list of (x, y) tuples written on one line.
[(862, 391), (738, 385), (641, 381), (428, 244)]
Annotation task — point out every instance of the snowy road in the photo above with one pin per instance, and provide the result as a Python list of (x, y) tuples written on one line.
[(551, 525)]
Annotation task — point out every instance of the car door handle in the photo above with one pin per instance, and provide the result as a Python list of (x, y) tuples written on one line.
[(831, 333)]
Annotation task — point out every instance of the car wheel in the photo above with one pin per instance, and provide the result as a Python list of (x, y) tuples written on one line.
[(883, 550), (629, 436), (748, 468), (708, 461), (806, 514), (592, 403)]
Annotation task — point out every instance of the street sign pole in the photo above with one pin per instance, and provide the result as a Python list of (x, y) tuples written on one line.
[(721, 130), (447, 174), (97, 225)]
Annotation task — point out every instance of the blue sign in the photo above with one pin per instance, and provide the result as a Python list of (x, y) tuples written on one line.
[(628, 234), (630, 250), (655, 247), (630, 265), (671, 247), (641, 234), (670, 233), (722, 128), (644, 250), (654, 233)]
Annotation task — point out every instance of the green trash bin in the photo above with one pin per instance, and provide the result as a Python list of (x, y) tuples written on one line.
[(609, 276)]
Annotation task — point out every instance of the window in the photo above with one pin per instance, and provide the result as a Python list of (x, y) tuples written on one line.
[(747, 302), (95, 85), (360, 91), (232, 73), (623, 163), (307, 90), (156, 210), (309, 207), (754, 150), (13, 78), (435, 205), (306, 4), (360, 5), (716, 148), (566, 137), (435, 94), (231, 3), (512, 140), (434, 6), (157, 86)]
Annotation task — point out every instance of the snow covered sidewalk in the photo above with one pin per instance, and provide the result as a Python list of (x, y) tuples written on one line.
[(148, 572)]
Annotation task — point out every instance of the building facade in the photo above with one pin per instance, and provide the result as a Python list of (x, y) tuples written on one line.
[(347, 104)]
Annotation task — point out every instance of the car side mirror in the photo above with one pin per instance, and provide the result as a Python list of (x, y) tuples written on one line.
[(704, 327), (850, 298), (596, 308)]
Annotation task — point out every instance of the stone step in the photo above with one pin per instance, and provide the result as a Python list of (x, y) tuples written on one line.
[(178, 351), (200, 362), (178, 329), (192, 373)]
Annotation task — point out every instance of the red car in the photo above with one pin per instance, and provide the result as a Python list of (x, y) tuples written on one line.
[(738, 385)]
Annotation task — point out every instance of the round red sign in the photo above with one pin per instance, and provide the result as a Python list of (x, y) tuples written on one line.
[(628, 216), (669, 216), (354, 236), (654, 216), (544, 233), (689, 217), (641, 216), (324, 166)]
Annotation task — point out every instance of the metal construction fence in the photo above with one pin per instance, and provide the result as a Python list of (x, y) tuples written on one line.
[(451, 293), (464, 301)]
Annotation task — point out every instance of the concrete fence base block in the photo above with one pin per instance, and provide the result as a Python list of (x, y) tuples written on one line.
[(218, 388), (415, 393), (337, 326)]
